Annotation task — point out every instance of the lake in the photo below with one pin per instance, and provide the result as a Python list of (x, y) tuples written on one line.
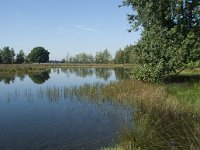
[(31, 119)]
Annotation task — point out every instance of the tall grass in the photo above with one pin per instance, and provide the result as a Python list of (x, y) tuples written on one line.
[(160, 120), (162, 117), (8, 68)]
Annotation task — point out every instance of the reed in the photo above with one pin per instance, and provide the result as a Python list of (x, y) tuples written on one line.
[(9, 68), (161, 119)]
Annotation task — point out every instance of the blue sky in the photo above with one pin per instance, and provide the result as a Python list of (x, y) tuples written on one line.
[(65, 26)]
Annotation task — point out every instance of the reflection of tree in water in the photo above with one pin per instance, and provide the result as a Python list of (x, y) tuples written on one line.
[(121, 73), (21, 76), (39, 77), (103, 73), (80, 72), (7, 79)]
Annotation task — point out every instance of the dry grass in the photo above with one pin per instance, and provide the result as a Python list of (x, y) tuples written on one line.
[(29, 67), (132, 92)]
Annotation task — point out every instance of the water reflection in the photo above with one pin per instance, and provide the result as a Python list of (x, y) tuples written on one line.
[(7, 79), (95, 115), (122, 73), (80, 72), (50, 116), (40, 77), (100, 73)]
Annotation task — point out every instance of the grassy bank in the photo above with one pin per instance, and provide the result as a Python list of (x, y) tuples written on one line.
[(31, 67), (161, 120)]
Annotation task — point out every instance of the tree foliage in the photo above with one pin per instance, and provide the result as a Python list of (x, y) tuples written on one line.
[(20, 58), (119, 57), (81, 58), (1, 61), (124, 56), (7, 55), (103, 57), (170, 40), (38, 55)]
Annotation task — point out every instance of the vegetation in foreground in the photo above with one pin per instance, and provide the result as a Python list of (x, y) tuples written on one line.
[(160, 120), (166, 116)]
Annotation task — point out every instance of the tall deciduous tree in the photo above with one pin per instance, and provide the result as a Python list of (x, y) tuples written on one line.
[(7, 55), (20, 58), (103, 57), (125, 55), (170, 40), (119, 57), (38, 55)]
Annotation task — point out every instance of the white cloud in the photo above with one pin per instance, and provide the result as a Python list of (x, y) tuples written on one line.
[(86, 28), (61, 29)]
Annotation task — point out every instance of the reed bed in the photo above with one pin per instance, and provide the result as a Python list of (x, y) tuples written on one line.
[(160, 119), (9, 68), (135, 93)]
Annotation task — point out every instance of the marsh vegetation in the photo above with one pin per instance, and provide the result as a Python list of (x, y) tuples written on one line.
[(105, 105)]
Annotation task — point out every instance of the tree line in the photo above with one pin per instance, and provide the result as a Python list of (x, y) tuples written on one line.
[(102, 57), (37, 55), (40, 55), (125, 56), (122, 56)]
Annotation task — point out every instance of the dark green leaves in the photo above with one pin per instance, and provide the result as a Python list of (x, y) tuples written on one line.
[(39, 55)]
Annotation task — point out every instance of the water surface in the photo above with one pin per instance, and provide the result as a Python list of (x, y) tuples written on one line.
[(30, 120)]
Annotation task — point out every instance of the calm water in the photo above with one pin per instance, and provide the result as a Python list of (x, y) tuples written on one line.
[(29, 120)]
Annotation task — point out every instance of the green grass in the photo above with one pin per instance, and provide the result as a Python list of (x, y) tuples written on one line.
[(186, 88), (188, 93)]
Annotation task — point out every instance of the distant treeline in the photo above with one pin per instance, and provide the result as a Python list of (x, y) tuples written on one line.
[(102, 57), (40, 55), (122, 56)]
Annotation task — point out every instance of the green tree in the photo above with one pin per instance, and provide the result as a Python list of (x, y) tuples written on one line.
[(124, 56), (119, 57), (128, 54), (12, 55), (103, 57), (81, 58), (20, 58), (1, 61), (7, 55), (170, 38), (38, 55)]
